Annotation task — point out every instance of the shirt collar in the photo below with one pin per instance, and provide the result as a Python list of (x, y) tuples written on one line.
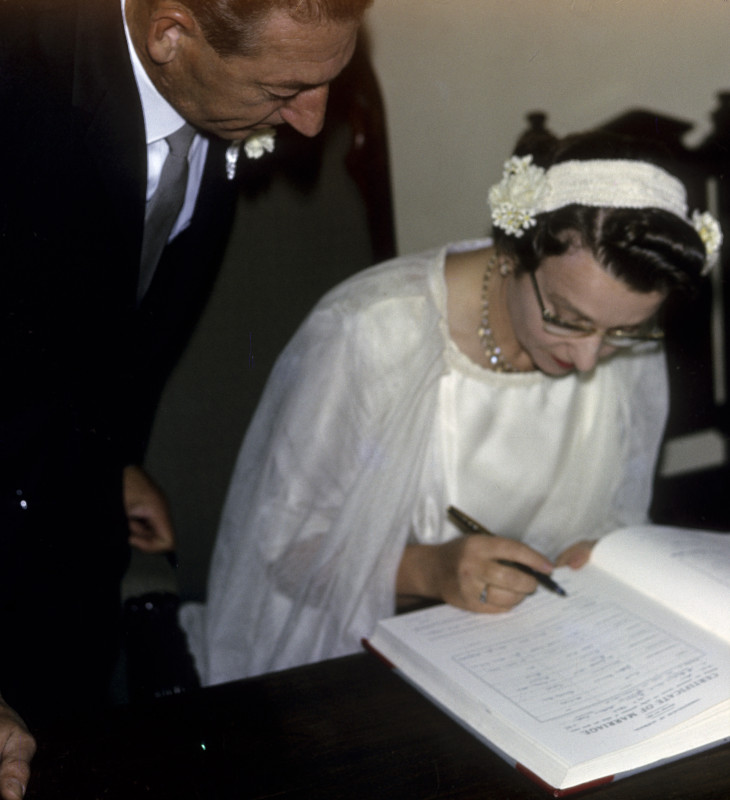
[(160, 118)]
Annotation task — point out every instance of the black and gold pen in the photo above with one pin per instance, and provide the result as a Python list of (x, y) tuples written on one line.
[(468, 525)]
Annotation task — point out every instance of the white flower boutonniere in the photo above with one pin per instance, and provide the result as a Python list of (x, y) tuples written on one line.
[(709, 230), (514, 200), (255, 146), (259, 143)]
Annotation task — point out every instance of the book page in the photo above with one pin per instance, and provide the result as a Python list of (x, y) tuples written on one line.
[(685, 569), (587, 675)]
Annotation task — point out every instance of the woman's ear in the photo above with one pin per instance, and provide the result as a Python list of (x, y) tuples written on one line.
[(169, 25)]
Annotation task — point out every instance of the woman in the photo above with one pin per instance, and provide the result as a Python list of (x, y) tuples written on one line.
[(520, 380)]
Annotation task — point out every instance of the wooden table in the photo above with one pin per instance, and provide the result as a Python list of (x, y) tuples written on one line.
[(347, 728)]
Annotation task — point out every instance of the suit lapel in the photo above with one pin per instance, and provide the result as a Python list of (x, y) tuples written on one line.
[(105, 92)]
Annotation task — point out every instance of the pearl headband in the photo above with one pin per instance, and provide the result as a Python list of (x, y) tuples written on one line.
[(527, 190)]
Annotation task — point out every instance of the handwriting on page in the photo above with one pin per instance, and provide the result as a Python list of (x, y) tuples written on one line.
[(584, 666), (595, 656)]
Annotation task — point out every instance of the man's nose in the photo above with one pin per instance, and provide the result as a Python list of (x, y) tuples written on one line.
[(305, 112)]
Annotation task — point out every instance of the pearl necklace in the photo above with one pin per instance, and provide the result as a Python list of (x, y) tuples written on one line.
[(492, 350)]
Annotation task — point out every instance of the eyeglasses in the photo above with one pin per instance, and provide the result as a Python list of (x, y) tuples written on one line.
[(616, 337)]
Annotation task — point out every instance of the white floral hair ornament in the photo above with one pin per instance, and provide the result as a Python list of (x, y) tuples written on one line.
[(527, 190), (709, 230), (515, 199)]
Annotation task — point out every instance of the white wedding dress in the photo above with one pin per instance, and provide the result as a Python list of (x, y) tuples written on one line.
[(372, 423)]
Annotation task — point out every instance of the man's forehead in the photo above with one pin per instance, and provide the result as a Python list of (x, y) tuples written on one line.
[(296, 56)]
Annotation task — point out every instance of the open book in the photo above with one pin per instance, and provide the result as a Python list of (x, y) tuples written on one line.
[(631, 669)]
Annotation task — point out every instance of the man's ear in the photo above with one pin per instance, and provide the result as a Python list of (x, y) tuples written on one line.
[(169, 25)]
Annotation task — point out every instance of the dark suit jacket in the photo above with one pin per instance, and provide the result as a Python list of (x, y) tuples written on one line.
[(82, 367)]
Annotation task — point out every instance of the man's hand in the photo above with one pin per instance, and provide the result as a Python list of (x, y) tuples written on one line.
[(17, 748), (150, 524)]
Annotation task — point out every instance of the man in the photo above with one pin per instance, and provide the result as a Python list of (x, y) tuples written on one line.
[(88, 96)]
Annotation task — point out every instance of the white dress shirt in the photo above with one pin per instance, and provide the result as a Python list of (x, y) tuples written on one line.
[(160, 120)]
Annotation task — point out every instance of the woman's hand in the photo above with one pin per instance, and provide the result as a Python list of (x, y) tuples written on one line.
[(576, 555), (458, 572)]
